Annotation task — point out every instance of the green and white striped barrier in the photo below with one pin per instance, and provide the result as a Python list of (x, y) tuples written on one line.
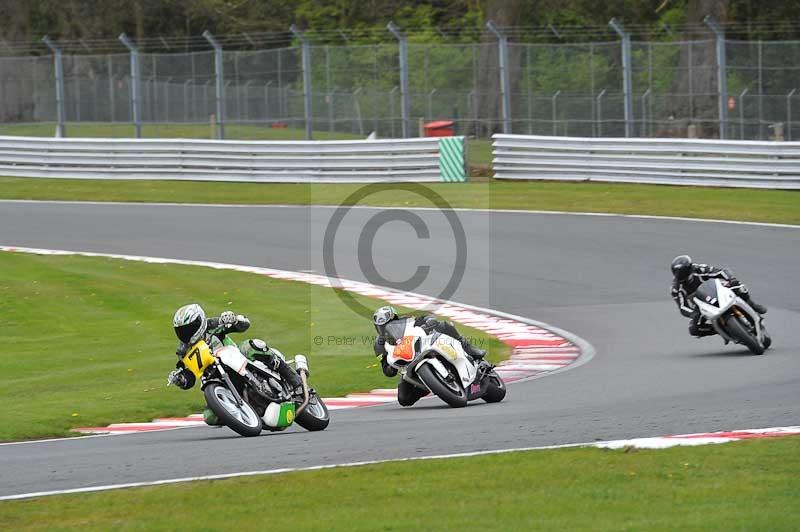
[(452, 166)]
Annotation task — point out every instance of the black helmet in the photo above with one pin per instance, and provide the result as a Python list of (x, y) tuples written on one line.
[(681, 267)]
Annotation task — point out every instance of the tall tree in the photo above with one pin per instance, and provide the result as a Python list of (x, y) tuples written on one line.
[(503, 13), (694, 91)]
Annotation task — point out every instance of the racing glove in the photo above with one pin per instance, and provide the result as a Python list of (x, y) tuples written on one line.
[(177, 378), (227, 318), (180, 378), (388, 370)]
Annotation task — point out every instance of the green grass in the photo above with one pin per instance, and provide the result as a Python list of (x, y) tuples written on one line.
[(185, 131), (750, 485), (89, 341), (693, 202), (479, 152)]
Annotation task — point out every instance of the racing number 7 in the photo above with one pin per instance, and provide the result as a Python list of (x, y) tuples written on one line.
[(196, 353)]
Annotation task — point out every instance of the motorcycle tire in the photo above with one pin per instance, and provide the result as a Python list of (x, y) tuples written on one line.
[(739, 331), (457, 398), (496, 391), (242, 419), (316, 416)]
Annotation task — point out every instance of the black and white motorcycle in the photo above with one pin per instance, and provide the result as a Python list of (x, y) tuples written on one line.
[(437, 363), (731, 316)]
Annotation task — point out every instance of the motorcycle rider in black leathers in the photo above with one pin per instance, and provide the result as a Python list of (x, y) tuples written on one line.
[(688, 276), (408, 394), (191, 325)]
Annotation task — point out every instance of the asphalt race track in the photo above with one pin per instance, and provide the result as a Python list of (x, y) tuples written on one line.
[(605, 279)]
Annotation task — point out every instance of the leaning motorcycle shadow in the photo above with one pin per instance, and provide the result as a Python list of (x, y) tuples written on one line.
[(441, 406), (724, 353), (224, 433)]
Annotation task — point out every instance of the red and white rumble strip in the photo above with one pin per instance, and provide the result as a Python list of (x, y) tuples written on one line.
[(699, 439), (537, 349)]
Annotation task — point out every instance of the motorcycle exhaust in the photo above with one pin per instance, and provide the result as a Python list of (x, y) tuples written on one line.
[(301, 366)]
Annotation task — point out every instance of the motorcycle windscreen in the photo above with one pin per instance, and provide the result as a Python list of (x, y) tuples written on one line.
[(707, 292), (198, 358), (395, 330)]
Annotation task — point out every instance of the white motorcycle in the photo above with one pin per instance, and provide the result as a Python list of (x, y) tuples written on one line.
[(437, 363), (731, 316)]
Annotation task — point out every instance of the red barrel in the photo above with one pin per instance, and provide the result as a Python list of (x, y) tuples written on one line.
[(440, 128)]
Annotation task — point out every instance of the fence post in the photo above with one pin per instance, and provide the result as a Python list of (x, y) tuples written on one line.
[(403, 56), (186, 99), (247, 100), (627, 81), (722, 81), (266, 101), (644, 112), (59, 68), (166, 99), (555, 114), (111, 90), (219, 71), (599, 105), (789, 113), (225, 93), (306, 59), (392, 110), (331, 108), (741, 113), (505, 94), (136, 93), (760, 91), (430, 104), (357, 108)]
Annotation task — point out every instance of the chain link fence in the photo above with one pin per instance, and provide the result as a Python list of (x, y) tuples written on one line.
[(555, 89)]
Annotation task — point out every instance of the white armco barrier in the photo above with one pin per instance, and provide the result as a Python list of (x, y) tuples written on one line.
[(361, 161), (724, 163)]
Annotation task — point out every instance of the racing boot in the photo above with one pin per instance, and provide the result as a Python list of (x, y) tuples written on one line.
[(211, 418), (761, 309), (291, 377), (476, 353)]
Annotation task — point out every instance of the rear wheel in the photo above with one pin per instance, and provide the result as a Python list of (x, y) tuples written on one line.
[(496, 391), (239, 418), (448, 389), (315, 416), (741, 331)]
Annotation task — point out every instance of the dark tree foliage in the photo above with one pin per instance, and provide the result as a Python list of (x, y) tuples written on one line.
[(103, 19)]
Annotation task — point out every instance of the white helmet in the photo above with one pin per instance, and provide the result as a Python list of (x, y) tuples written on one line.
[(190, 323), (384, 315)]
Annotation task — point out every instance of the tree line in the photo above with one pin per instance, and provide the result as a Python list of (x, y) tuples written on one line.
[(433, 19)]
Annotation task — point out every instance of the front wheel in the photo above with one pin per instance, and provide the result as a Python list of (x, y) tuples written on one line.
[(448, 390), (741, 332), (315, 416), (239, 418)]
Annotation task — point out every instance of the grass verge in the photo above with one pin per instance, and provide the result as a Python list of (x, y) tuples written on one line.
[(775, 206), (749, 485), (183, 131), (89, 341)]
